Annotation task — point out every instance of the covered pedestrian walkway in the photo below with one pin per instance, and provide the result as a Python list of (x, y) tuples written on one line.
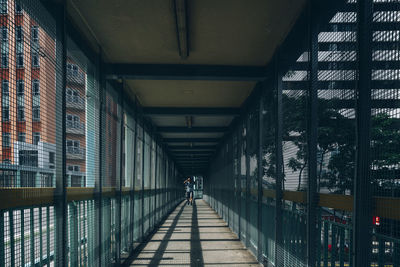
[(194, 236), (285, 113)]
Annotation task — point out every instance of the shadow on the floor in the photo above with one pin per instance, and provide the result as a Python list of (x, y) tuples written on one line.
[(196, 254), (158, 256)]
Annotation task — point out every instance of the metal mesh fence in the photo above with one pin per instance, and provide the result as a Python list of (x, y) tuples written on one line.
[(77, 164), (321, 85)]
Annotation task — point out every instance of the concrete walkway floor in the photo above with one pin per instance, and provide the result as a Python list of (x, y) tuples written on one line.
[(194, 236)]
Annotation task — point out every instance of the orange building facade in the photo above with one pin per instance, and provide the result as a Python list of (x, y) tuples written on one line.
[(28, 106)]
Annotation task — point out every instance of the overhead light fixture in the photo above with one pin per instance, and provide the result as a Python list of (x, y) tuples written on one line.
[(189, 121), (180, 11)]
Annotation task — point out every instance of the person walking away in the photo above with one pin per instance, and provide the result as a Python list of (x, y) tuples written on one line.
[(189, 191)]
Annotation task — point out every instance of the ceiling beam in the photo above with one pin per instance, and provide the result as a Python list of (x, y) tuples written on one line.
[(191, 111), (180, 153), (191, 140), (173, 129), (193, 164), (174, 147), (184, 72), (192, 150), (193, 159)]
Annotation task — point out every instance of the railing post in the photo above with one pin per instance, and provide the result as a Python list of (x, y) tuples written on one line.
[(312, 136), (279, 249), (362, 225)]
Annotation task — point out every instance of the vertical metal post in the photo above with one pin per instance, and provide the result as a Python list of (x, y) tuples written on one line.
[(150, 194), (247, 219), (260, 171), (98, 255), (362, 227), (142, 193), (121, 174), (156, 185), (32, 238), (279, 250), (312, 136), (60, 195), (22, 237), (12, 237), (133, 187), (239, 179)]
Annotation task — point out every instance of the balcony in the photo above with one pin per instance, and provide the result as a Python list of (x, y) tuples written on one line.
[(75, 102), (75, 127), (75, 77), (75, 153)]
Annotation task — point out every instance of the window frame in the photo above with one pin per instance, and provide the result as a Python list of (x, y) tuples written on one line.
[(6, 140), (36, 136), (35, 60), (3, 7), (22, 134)]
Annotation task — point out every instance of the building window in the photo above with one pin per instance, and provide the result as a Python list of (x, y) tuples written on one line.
[(5, 112), (6, 140), (3, 7), (72, 69), (35, 87), (5, 100), (18, 8), (35, 59), (72, 96), (20, 98), (52, 157), (36, 138), (4, 60), (5, 87), (72, 121), (20, 60), (21, 114), (74, 168), (18, 33), (73, 146), (35, 34), (36, 114), (22, 137), (4, 34), (20, 87), (28, 158)]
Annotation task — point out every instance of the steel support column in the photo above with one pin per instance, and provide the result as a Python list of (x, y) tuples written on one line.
[(362, 227), (60, 195), (121, 175), (99, 181), (132, 192), (260, 172), (279, 165), (247, 124), (142, 193), (312, 136)]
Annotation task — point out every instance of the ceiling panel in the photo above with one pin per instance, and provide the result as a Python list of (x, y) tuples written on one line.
[(225, 32), (161, 93)]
